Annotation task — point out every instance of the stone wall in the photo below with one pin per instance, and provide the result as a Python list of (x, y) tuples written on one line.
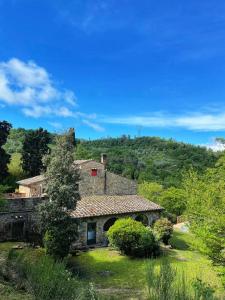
[(18, 217)]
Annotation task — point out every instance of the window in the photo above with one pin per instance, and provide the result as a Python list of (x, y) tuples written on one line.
[(94, 172)]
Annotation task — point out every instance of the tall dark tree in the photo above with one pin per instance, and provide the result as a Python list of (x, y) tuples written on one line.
[(4, 157), (35, 146), (61, 179)]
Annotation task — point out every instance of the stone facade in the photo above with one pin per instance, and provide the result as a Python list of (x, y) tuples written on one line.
[(101, 238), (19, 215), (104, 182)]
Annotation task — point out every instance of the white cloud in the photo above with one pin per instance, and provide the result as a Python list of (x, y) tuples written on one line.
[(94, 126), (201, 121), (31, 87), (215, 146)]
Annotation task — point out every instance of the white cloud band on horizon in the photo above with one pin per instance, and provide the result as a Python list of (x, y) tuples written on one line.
[(201, 121)]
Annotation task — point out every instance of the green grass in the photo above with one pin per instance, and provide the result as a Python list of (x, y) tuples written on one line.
[(120, 275)]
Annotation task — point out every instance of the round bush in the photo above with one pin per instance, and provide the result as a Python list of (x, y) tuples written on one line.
[(133, 238), (163, 229)]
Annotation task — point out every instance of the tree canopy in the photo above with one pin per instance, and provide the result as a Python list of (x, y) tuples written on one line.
[(35, 146)]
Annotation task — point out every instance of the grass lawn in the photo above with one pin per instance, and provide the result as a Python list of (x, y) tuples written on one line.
[(119, 276)]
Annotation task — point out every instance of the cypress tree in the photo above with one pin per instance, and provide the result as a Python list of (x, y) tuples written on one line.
[(4, 157), (35, 146)]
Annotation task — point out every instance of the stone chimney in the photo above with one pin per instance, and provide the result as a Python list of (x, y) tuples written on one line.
[(104, 159)]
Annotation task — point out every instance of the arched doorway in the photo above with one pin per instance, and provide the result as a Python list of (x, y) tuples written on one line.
[(109, 223), (142, 218)]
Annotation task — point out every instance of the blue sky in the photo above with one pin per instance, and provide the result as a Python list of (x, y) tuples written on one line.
[(112, 67)]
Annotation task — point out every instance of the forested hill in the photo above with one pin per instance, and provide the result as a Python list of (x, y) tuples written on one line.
[(148, 158), (143, 158)]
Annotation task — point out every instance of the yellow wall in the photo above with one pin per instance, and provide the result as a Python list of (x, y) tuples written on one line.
[(24, 190)]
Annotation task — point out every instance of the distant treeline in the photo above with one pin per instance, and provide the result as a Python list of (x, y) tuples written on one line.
[(143, 158)]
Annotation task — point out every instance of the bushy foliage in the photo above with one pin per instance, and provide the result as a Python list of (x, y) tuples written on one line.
[(58, 237), (163, 229), (206, 208), (172, 199), (150, 190), (61, 178), (48, 280), (133, 238), (169, 284)]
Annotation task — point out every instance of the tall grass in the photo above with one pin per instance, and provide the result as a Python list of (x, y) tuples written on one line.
[(49, 280), (164, 282)]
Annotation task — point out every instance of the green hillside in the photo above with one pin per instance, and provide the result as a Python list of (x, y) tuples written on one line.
[(148, 158), (143, 158)]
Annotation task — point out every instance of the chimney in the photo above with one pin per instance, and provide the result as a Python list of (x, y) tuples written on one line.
[(104, 159)]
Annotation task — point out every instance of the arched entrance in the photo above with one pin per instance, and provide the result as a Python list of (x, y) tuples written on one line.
[(142, 218), (109, 223)]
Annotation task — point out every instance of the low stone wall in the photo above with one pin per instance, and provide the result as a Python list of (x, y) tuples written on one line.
[(17, 218)]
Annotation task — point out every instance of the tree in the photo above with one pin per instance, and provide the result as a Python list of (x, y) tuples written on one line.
[(206, 208), (61, 178), (173, 200), (35, 146), (4, 157), (150, 190)]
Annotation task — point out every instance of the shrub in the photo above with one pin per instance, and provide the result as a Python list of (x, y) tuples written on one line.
[(57, 240), (163, 229), (133, 238), (47, 279)]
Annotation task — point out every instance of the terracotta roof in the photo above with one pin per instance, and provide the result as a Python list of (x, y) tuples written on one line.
[(101, 205), (31, 180)]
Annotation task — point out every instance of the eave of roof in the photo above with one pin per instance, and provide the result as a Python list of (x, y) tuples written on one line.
[(104, 205), (32, 180)]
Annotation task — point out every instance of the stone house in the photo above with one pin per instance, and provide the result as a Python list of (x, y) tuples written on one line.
[(105, 197)]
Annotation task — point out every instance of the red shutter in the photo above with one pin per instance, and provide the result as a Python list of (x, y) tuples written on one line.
[(94, 172)]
